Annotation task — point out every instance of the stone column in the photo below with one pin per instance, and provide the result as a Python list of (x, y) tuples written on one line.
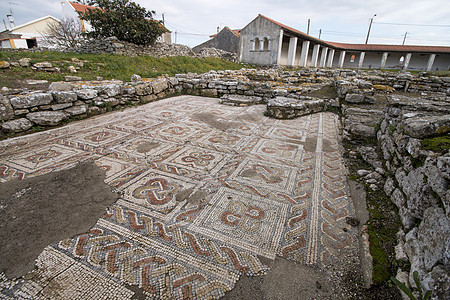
[(384, 60), (292, 51), (323, 57), (330, 58), (430, 62), (341, 60), (407, 60), (315, 55), (361, 59), (280, 46), (304, 55)]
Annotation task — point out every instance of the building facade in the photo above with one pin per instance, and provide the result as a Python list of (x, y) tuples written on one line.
[(27, 35), (267, 42), (226, 39)]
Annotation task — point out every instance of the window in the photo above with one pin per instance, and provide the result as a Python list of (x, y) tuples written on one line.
[(401, 60), (265, 44), (256, 46), (352, 58)]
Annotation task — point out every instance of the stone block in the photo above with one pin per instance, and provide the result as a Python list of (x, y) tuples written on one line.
[(148, 98), (64, 97), (60, 86), (6, 110), (112, 90), (47, 118), (4, 65), (44, 64), (31, 100), (60, 106), (144, 89), (86, 94), (18, 125), (433, 238), (24, 62), (76, 110)]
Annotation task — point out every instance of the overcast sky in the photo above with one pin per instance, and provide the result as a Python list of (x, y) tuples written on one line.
[(340, 21)]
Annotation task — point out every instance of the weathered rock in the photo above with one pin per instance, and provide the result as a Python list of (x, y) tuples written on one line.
[(397, 198), (403, 277), (136, 78), (434, 238), (361, 123), (240, 100), (6, 110), (47, 118), (4, 65), (64, 97), (423, 126), (389, 186), (61, 106), (76, 110), (60, 86), (72, 78), (355, 98), (288, 108), (160, 85), (87, 94), (31, 100), (72, 69), (112, 90), (418, 193), (144, 89), (24, 62), (44, 64), (18, 125)]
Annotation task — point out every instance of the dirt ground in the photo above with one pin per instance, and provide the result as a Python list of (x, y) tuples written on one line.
[(42, 210)]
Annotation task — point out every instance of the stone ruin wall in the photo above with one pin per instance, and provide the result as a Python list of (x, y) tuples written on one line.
[(419, 191)]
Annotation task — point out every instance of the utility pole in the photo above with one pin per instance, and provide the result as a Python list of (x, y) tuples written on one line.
[(370, 26), (309, 20), (404, 38), (164, 23), (320, 32), (175, 36)]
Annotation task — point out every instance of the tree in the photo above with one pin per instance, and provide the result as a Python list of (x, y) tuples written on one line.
[(67, 33), (124, 19)]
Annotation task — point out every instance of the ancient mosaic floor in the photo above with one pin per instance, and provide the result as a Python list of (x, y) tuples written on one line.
[(199, 205)]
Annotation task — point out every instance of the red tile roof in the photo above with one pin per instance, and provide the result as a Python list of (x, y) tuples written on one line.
[(364, 47), (235, 31), (81, 8)]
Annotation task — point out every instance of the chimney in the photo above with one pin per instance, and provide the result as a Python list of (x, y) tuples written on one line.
[(218, 29), (11, 21)]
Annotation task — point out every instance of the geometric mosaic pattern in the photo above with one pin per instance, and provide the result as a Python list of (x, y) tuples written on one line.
[(260, 194)]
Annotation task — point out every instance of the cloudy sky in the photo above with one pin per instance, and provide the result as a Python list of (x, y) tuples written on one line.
[(426, 22)]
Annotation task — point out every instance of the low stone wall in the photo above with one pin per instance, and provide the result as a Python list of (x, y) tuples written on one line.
[(159, 49), (418, 186)]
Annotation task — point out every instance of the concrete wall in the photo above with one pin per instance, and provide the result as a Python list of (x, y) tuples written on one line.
[(260, 28), (225, 40), (35, 28)]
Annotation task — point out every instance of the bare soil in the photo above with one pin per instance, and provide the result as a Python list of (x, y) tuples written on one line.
[(42, 210)]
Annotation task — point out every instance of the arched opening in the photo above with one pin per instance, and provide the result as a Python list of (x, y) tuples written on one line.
[(256, 45), (265, 44), (401, 60)]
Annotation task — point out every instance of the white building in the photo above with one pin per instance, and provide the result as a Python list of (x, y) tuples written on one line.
[(267, 42), (27, 35)]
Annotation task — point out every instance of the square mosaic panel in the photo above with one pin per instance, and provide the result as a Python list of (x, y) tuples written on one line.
[(156, 191), (140, 146), (42, 157), (265, 174), (246, 221), (136, 124), (99, 136), (286, 133), (278, 150), (199, 159)]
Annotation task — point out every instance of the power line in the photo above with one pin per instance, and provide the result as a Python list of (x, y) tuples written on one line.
[(429, 25)]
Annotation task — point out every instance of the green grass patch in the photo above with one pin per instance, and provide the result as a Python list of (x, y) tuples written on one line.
[(108, 66), (436, 144), (383, 226)]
